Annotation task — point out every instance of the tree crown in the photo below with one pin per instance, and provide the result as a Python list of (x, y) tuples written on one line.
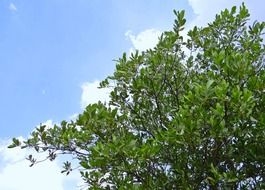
[(188, 114)]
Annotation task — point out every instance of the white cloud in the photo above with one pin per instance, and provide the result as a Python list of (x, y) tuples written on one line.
[(92, 94), (207, 9), (144, 40), (12, 7), (73, 117), (49, 123), (15, 173)]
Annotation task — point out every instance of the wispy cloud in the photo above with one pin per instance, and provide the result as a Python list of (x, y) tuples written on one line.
[(12, 7)]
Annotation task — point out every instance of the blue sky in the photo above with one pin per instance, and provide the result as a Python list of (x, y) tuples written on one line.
[(49, 48), (53, 52)]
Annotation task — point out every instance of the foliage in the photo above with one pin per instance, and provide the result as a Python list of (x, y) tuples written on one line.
[(188, 114)]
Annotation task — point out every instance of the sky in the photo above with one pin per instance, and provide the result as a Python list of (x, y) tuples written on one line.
[(53, 54)]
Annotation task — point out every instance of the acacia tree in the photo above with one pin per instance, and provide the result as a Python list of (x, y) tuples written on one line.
[(192, 119)]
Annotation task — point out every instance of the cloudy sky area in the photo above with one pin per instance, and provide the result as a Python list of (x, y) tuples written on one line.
[(53, 53)]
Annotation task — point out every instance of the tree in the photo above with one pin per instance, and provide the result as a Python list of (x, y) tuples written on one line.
[(192, 119)]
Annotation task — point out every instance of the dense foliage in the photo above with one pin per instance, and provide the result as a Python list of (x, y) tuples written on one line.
[(188, 114)]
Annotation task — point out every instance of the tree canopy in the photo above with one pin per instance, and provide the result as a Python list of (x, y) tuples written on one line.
[(187, 114)]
